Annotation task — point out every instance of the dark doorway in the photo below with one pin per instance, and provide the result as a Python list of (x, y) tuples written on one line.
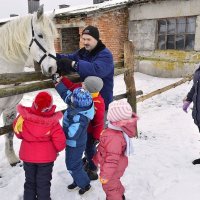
[(70, 39)]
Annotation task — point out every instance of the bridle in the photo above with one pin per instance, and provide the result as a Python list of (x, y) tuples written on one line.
[(46, 54)]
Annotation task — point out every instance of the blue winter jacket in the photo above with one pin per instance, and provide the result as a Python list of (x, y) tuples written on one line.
[(194, 95), (75, 120), (98, 62)]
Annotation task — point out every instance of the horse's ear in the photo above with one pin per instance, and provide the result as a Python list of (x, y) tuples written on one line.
[(52, 15), (40, 11)]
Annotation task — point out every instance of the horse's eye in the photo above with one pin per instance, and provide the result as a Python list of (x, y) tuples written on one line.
[(40, 36)]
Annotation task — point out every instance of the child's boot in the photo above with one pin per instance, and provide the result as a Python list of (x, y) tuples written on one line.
[(84, 190), (72, 186), (123, 197)]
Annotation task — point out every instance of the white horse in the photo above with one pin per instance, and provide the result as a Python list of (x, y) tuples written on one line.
[(29, 36)]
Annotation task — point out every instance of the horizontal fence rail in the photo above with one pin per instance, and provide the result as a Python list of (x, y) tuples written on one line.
[(17, 78), (24, 82), (164, 89)]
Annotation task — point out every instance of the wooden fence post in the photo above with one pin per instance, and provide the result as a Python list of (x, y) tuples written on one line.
[(129, 74)]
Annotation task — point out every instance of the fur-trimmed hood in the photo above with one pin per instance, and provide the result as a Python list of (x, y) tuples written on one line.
[(99, 47)]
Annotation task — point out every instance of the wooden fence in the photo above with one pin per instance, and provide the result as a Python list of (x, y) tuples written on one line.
[(33, 81)]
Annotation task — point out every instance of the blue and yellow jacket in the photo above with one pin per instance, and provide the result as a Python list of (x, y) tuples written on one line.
[(75, 120)]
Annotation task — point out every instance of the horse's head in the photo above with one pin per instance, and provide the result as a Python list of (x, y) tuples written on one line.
[(42, 44)]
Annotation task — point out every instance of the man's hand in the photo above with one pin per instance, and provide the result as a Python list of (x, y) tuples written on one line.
[(65, 65)]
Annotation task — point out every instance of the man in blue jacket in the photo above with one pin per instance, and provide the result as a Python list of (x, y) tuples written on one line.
[(94, 59)]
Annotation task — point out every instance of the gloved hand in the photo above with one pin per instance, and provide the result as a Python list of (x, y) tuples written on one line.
[(65, 65), (56, 78), (186, 104)]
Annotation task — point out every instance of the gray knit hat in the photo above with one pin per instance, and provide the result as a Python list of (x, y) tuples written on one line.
[(93, 84)]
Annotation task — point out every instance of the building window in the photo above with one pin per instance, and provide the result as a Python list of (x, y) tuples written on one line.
[(176, 33)]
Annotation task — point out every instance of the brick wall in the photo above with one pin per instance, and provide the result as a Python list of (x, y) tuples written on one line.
[(70, 39), (113, 27)]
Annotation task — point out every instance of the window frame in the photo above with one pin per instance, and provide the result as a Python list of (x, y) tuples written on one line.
[(166, 34)]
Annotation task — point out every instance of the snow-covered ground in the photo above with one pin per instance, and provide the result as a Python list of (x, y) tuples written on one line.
[(160, 168)]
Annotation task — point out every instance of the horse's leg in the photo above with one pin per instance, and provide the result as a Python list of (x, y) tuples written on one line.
[(8, 118)]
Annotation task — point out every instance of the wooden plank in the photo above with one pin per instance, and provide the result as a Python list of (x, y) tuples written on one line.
[(129, 74), (21, 89), (33, 86), (16, 78), (161, 90)]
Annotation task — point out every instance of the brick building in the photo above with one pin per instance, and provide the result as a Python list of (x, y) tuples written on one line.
[(166, 41)]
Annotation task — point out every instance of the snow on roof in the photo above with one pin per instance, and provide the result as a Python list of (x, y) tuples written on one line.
[(4, 20), (73, 10), (90, 8)]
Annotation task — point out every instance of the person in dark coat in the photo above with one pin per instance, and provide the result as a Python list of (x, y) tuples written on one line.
[(94, 59), (76, 119), (194, 96), (42, 138)]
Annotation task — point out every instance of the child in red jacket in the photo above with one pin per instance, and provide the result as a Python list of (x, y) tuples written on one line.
[(94, 85), (114, 147), (42, 138)]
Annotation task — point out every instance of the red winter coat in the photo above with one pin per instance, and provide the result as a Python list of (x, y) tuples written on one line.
[(110, 152), (42, 136), (96, 125)]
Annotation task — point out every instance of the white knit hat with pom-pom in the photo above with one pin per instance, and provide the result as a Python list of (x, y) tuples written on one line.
[(119, 110)]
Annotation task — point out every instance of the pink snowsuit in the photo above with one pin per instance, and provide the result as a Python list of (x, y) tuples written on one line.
[(110, 156)]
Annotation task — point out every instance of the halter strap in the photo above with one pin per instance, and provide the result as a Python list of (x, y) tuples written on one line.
[(40, 46)]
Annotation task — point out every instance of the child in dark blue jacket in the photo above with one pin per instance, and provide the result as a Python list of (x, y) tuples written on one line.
[(75, 122)]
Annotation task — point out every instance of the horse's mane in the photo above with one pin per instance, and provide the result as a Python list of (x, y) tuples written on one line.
[(14, 44)]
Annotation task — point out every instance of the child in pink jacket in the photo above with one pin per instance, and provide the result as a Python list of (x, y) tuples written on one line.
[(114, 146), (42, 138)]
